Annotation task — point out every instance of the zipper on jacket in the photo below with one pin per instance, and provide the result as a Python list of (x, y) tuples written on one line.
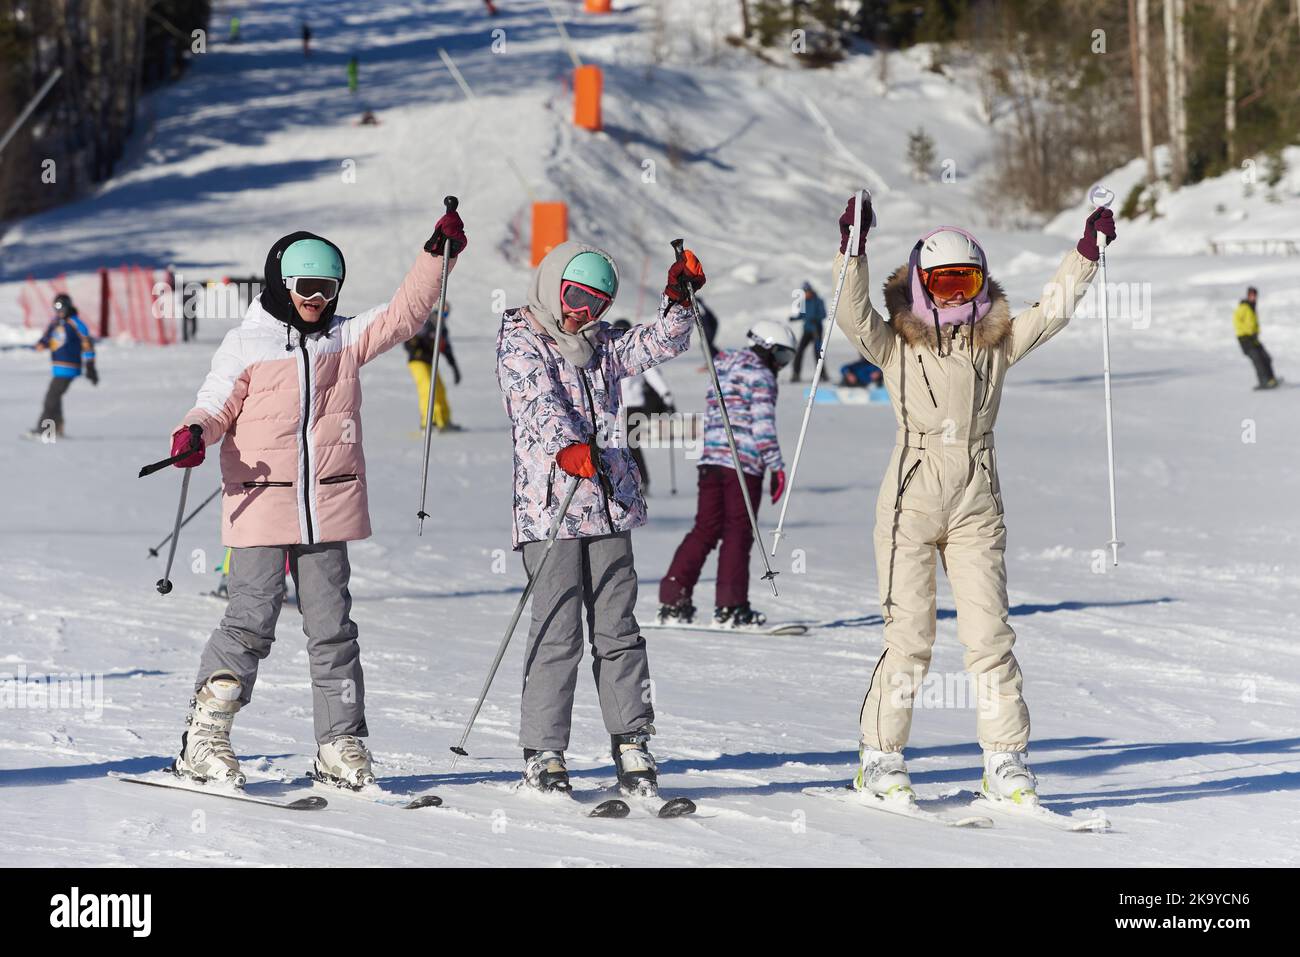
[(337, 479), (268, 485), (989, 477), (601, 478), (927, 380), (306, 447), (907, 480)]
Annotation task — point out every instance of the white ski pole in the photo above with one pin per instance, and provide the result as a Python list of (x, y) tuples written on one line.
[(451, 202), (862, 201), (1101, 197), (769, 576), (519, 610)]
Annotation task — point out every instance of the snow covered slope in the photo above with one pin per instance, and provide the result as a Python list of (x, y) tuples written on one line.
[(1164, 692)]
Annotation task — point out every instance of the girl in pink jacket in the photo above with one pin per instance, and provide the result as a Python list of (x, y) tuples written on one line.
[(284, 394)]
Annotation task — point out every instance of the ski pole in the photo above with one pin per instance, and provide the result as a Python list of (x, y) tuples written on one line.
[(769, 576), (862, 202), (1102, 197), (153, 552), (519, 610), (451, 202), (164, 585), (672, 453)]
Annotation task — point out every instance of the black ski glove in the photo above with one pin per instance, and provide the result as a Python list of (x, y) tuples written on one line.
[(92, 373)]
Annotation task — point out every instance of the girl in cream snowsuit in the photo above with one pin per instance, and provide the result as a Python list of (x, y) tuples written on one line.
[(945, 354)]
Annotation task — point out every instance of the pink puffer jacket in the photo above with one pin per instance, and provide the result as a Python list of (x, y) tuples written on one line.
[(289, 407)]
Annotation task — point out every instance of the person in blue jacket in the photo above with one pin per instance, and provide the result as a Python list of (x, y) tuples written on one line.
[(812, 313), (71, 349)]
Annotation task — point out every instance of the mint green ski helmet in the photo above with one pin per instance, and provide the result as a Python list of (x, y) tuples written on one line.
[(311, 257), (594, 270)]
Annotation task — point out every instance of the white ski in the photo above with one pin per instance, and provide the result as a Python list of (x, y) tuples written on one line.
[(375, 794), (724, 629), (1036, 812), (172, 782), (903, 808)]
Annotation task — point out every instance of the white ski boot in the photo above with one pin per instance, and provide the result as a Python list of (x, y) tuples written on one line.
[(206, 754), (1008, 778), (638, 776), (884, 775), (545, 771), (344, 762)]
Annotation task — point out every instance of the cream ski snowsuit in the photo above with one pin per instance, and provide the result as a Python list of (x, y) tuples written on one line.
[(941, 491)]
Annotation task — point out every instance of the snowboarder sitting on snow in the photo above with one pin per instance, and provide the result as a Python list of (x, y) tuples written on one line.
[(284, 392), (748, 380), (1245, 322), (70, 347), (945, 352), (860, 375), (419, 359), (560, 368)]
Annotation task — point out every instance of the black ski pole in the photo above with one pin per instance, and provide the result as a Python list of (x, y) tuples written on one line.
[(195, 432), (769, 575), (153, 552), (451, 202)]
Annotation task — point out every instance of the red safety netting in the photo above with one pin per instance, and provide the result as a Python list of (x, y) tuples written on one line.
[(126, 302)]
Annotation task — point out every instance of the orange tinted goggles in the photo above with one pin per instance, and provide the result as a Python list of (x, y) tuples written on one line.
[(948, 282)]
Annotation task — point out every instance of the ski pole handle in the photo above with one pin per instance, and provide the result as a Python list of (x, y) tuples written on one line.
[(451, 202), (196, 442)]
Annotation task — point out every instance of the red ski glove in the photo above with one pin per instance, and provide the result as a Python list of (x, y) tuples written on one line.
[(1101, 221), (778, 485), (687, 272), (449, 230), (181, 443), (576, 460), (846, 227)]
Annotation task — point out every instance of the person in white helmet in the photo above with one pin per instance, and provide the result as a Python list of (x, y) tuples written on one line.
[(945, 351), (748, 381)]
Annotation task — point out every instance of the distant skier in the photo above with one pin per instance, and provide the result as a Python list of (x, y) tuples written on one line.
[(812, 313), (354, 74), (1245, 321), (748, 380), (71, 349), (559, 368), (306, 39), (285, 393), (419, 359), (644, 395), (945, 352), (234, 29)]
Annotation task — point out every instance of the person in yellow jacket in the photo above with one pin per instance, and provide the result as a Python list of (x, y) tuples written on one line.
[(419, 352), (944, 352), (1245, 322)]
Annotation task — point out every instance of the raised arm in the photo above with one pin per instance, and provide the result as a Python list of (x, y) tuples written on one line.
[(865, 327), (534, 400), (669, 335), (1051, 314)]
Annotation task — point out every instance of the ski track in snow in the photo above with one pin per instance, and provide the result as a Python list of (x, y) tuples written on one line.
[(1164, 693)]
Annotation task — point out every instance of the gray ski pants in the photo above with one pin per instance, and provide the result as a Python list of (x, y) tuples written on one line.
[(247, 630), (595, 577)]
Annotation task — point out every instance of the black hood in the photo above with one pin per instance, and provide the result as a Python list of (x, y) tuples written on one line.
[(275, 297)]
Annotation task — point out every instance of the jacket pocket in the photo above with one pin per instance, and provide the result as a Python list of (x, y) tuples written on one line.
[(339, 479), (993, 487), (268, 484), (902, 486)]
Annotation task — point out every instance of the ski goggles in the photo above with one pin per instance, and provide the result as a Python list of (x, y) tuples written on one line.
[(312, 287), (578, 298), (782, 355), (948, 282)]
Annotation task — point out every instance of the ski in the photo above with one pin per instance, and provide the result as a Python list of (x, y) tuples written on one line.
[(375, 794), (913, 809), (773, 630), (309, 803), (661, 808), (1041, 815), (613, 808)]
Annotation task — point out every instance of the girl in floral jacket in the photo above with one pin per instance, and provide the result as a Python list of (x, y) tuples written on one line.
[(559, 369)]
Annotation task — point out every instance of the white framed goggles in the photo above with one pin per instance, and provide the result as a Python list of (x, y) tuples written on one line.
[(313, 287)]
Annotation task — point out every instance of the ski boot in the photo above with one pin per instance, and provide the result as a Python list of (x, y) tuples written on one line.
[(884, 775), (545, 771), (344, 762), (680, 613), (637, 774), (737, 616), (206, 754), (1008, 778)]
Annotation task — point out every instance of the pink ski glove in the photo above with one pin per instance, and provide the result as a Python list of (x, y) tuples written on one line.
[(181, 443)]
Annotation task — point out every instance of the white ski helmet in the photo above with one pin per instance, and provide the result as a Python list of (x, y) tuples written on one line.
[(776, 337), (950, 247)]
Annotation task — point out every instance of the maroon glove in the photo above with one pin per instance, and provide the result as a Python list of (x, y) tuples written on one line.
[(1101, 221), (181, 442), (778, 485), (682, 274), (449, 230), (846, 227)]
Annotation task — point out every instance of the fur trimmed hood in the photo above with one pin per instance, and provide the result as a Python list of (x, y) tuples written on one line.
[(990, 331)]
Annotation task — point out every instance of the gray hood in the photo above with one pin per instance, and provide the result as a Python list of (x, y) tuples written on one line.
[(544, 302)]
